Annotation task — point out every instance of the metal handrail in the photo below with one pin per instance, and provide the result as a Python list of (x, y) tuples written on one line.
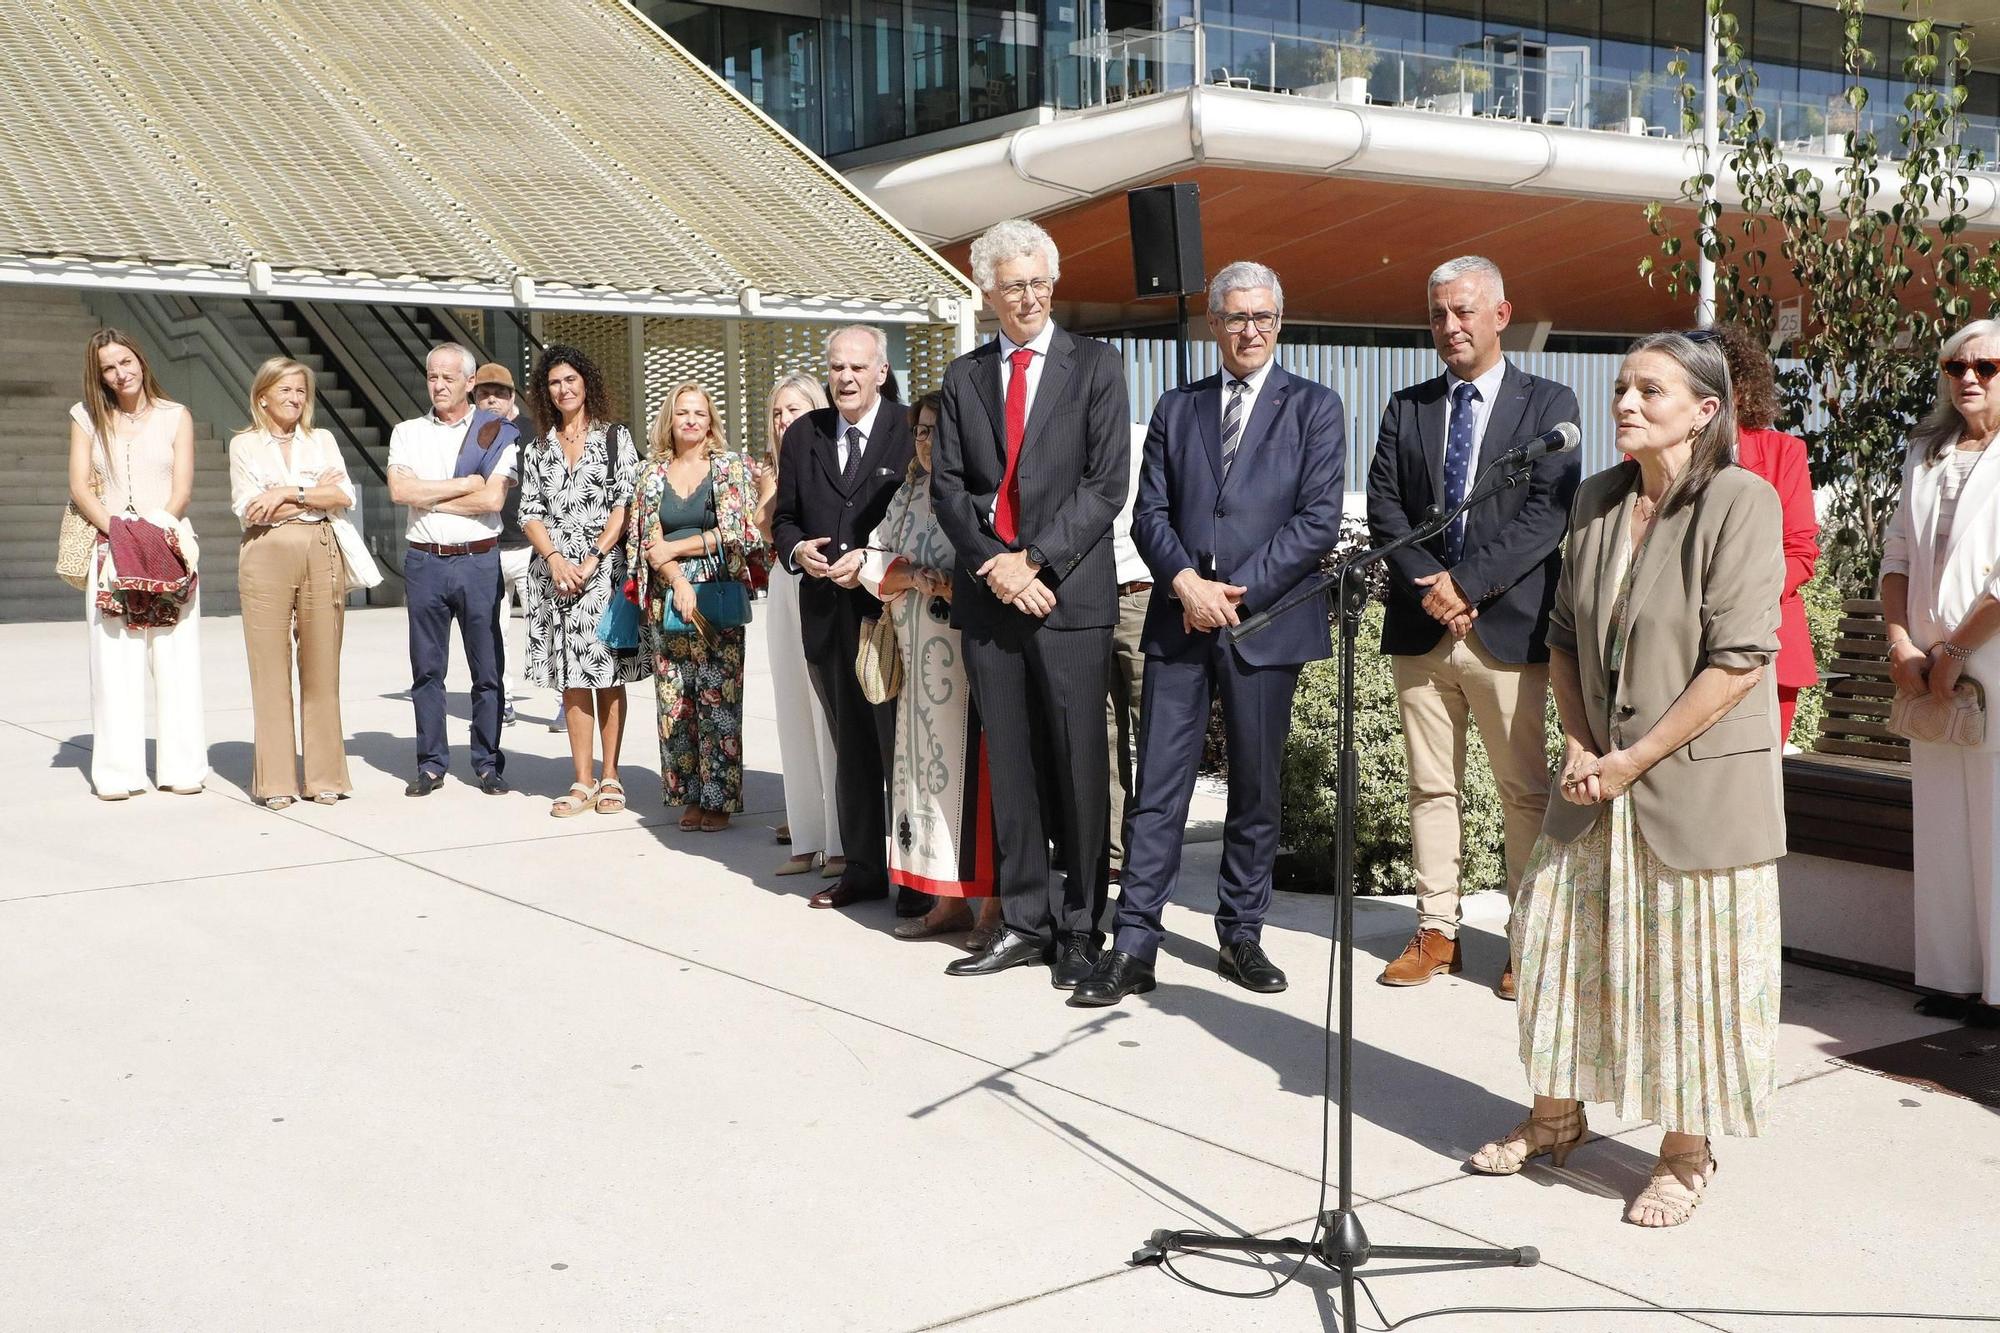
[(319, 395)]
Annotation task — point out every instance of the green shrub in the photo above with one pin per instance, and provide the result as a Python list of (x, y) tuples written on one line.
[(1823, 596), (1382, 815)]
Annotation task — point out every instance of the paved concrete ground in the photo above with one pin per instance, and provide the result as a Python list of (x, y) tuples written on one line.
[(452, 1064)]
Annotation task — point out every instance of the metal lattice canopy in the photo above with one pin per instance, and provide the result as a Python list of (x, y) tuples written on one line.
[(559, 155)]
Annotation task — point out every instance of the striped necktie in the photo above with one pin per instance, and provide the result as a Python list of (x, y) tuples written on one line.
[(1232, 424)]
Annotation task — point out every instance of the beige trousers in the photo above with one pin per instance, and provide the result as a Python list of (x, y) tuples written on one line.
[(1121, 710), (291, 581), (1456, 682)]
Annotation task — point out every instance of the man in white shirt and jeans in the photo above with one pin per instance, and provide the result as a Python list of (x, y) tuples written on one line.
[(452, 467)]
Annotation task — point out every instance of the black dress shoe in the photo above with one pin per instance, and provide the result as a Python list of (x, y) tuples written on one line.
[(424, 784), (1075, 956), (1009, 948), (912, 902), (1116, 975), (492, 784), (846, 894), (1246, 964)]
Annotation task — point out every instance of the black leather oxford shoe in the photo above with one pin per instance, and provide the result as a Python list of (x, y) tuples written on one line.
[(1116, 975), (1246, 964), (1009, 948)]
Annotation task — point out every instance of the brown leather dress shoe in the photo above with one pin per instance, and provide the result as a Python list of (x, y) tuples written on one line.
[(1427, 954)]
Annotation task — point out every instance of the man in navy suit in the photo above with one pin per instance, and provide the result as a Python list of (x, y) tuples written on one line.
[(1239, 500), (1468, 616), (452, 467)]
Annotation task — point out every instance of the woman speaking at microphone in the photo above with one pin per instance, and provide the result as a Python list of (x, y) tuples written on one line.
[(1647, 929)]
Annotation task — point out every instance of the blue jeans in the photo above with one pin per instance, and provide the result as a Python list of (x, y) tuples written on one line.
[(440, 589)]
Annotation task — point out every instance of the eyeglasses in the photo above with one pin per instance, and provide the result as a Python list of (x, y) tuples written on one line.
[(1955, 369), (1014, 291), (923, 432), (1264, 321)]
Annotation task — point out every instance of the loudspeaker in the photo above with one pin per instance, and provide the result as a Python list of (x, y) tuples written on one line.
[(1166, 239)]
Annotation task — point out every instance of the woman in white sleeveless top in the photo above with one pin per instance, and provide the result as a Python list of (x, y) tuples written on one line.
[(805, 746), (131, 455), (1940, 554)]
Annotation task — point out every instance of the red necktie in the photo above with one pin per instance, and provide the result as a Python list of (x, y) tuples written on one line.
[(1008, 504)]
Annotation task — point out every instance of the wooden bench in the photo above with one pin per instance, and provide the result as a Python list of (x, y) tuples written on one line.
[(1849, 799)]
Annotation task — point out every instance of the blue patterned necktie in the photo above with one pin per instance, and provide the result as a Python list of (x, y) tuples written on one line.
[(1458, 466), (1232, 424)]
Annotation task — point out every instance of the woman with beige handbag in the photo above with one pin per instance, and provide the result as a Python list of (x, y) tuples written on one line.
[(290, 489), (1940, 579), (131, 460)]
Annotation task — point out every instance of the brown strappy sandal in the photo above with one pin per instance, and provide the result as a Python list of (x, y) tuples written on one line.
[(691, 819), (714, 821), (1693, 1171), (1556, 1135)]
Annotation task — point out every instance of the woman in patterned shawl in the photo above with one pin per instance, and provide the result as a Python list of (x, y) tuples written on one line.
[(576, 485), (695, 522), (941, 836)]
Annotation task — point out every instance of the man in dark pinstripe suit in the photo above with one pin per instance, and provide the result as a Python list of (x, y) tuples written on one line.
[(1030, 469)]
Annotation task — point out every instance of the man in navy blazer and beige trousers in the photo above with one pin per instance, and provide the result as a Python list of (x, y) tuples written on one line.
[(1239, 500), (1468, 617)]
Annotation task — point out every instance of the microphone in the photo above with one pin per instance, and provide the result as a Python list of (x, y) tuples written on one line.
[(1561, 440)]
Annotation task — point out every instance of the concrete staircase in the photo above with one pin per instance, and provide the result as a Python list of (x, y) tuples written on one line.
[(42, 333)]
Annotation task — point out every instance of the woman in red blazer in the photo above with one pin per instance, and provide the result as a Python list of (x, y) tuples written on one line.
[(1781, 460)]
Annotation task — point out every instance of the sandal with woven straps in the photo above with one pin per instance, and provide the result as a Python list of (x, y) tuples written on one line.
[(1691, 1171), (579, 799), (610, 796), (1556, 1135)]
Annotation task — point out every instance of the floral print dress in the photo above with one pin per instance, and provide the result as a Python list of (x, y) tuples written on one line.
[(572, 504), (698, 682), (1651, 988)]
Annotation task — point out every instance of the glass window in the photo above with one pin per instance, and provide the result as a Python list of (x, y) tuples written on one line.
[(1394, 26), (1515, 16), (773, 59), (1678, 23), (935, 94), (1001, 55), (693, 26), (837, 80), (1629, 21), (1819, 38), (1329, 18), (880, 107), (1572, 18)]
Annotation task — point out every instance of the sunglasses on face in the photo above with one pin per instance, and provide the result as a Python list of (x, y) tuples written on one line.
[(1955, 369)]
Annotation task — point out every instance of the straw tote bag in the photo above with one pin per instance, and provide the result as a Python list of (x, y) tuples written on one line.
[(76, 538), (877, 663)]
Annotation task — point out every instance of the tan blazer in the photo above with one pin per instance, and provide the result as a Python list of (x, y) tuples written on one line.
[(1705, 593)]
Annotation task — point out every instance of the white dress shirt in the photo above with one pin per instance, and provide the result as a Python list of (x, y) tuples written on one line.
[(1039, 345), (867, 428), (1255, 381), (1131, 565), (257, 463), (1481, 407), (427, 449)]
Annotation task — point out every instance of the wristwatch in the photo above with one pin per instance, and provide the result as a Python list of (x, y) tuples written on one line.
[(302, 497), (1034, 553)]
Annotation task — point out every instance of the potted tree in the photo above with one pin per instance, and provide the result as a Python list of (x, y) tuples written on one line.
[(1454, 86), (1353, 63), (1621, 106)]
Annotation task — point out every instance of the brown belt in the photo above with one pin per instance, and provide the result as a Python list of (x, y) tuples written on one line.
[(1136, 585), (456, 548)]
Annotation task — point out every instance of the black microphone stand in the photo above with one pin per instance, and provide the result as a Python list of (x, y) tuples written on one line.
[(1339, 1241)]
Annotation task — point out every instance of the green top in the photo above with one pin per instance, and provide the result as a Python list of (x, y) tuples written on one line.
[(685, 517)]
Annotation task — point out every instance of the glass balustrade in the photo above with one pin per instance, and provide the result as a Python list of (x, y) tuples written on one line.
[(1538, 83)]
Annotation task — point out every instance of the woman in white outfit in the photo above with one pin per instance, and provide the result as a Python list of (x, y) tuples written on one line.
[(805, 746), (131, 456), (1940, 579)]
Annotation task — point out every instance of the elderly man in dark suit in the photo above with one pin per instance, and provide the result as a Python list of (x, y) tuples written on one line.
[(838, 468), (1468, 616), (1239, 499), (1029, 470)]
